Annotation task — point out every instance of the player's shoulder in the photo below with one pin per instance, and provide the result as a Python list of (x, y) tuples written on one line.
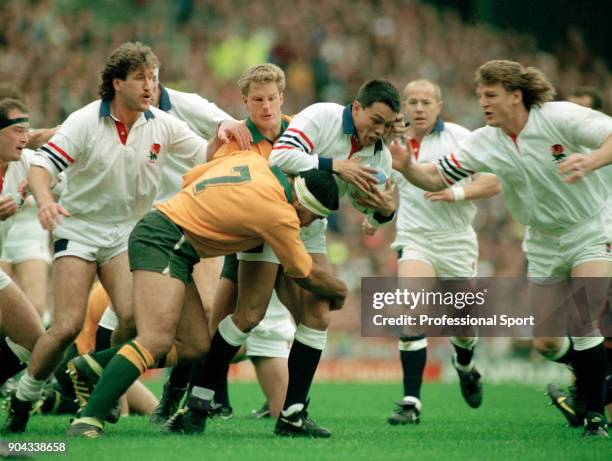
[(560, 110), (322, 110), (456, 129), (181, 97)]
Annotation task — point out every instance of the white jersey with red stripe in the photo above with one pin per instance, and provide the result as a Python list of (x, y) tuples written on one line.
[(203, 117), (415, 213), (112, 176), (321, 133), (527, 166)]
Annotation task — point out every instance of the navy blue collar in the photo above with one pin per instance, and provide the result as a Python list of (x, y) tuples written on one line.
[(348, 127), (164, 99), (105, 110), (439, 126)]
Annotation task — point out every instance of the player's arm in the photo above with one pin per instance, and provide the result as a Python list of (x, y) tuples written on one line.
[(423, 175), (484, 186), (322, 283), (284, 238), (50, 212), (577, 166), (213, 146), (231, 129), (38, 137)]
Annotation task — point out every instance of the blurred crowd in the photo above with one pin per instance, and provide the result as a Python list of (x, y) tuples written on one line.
[(53, 51)]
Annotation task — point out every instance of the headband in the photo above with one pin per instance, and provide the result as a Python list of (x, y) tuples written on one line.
[(309, 201), (4, 122)]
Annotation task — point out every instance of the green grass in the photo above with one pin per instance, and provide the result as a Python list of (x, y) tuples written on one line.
[(513, 423)]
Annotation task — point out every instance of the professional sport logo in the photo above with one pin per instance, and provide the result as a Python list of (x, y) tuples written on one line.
[(558, 152), (154, 152)]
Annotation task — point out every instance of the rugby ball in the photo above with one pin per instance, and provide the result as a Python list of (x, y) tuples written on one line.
[(353, 192)]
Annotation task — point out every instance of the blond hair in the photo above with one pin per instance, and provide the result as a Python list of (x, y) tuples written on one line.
[(533, 84), (262, 73)]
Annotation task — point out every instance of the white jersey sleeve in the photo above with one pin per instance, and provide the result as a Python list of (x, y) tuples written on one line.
[(185, 145), (292, 152), (585, 126), (65, 148), (201, 115)]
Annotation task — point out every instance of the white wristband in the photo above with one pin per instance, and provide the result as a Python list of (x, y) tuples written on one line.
[(458, 193)]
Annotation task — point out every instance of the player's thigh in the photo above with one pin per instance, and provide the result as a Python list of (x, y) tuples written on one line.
[(590, 286), (7, 267), (192, 336), (415, 268), (20, 320), (72, 279), (116, 278), (158, 302), (206, 277), (224, 303), (306, 307), (32, 276), (256, 281)]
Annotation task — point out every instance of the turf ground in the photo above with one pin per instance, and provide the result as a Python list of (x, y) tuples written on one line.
[(514, 422)]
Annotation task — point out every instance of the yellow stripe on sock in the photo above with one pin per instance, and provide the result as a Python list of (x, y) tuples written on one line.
[(95, 366), (144, 352), (134, 357)]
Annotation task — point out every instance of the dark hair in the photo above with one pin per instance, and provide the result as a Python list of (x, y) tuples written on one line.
[(533, 84), (8, 104), (378, 91), (323, 186), (589, 91), (129, 56)]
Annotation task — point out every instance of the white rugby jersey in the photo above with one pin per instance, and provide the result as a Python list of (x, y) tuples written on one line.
[(323, 132), (112, 176), (16, 173), (415, 213), (203, 117), (527, 166)]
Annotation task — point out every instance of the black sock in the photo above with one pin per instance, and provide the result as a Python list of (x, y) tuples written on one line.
[(179, 376), (569, 357), (11, 365), (413, 365), (464, 356), (221, 391), (303, 362), (103, 338), (590, 368), (216, 364)]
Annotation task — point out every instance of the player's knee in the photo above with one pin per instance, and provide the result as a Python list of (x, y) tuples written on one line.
[(249, 319), (548, 347), (65, 333)]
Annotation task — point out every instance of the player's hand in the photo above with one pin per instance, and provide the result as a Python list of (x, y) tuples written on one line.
[(36, 138), (379, 201), (353, 172), (50, 215), (396, 130), (232, 129), (8, 207), (575, 167), (367, 228), (402, 155), (444, 195)]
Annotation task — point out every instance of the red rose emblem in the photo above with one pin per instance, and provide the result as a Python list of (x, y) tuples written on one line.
[(155, 148), (557, 149)]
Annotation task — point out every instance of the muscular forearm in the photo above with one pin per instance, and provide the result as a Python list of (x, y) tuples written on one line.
[(424, 176), (485, 186), (602, 156), (323, 283), (39, 183)]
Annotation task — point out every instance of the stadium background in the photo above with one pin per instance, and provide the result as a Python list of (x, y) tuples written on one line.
[(53, 51)]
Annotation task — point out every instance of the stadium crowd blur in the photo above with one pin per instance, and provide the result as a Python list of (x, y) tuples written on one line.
[(54, 50)]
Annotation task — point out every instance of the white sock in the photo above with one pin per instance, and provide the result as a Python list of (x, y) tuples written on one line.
[(29, 389)]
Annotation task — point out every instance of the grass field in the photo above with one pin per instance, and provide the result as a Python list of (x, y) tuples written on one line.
[(514, 422)]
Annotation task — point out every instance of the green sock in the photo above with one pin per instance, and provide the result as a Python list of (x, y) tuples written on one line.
[(105, 356), (118, 376)]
